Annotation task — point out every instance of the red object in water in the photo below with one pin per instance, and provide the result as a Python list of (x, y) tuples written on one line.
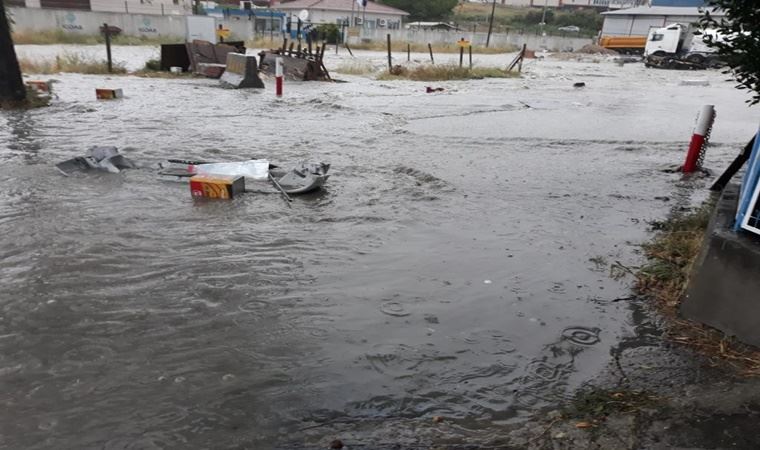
[(692, 156), (279, 74), (699, 138)]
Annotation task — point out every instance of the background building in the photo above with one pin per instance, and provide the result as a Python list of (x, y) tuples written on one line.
[(375, 15), (638, 21), (162, 7)]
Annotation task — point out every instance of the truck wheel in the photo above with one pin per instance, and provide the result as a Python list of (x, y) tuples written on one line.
[(695, 58)]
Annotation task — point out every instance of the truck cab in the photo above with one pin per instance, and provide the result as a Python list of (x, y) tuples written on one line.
[(671, 40)]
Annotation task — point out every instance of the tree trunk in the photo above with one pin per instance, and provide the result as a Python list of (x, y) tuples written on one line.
[(11, 83)]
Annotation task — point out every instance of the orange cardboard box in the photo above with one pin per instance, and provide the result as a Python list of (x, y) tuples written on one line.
[(216, 186), (108, 94)]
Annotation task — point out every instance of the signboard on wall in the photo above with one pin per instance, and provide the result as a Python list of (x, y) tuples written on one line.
[(202, 28)]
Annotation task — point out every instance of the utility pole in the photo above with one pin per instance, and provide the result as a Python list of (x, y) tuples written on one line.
[(11, 83), (543, 18), (490, 23)]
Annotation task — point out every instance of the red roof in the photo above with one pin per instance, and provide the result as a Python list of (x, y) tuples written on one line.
[(341, 5)]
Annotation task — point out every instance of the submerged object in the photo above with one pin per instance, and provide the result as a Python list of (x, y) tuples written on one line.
[(97, 158), (304, 177), (221, 186)]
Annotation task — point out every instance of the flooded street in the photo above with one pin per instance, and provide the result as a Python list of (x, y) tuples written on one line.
[(455, 265)]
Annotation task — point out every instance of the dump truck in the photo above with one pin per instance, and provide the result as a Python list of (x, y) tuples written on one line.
[(624, 44), (678, 46)]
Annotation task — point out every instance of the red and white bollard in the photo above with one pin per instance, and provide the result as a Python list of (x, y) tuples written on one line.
[(699, 138), (278, 76)]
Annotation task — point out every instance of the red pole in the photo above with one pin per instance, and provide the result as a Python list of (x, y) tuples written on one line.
[(699, 138), (278, 77)]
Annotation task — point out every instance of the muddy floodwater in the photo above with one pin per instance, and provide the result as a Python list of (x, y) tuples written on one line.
[(456, 265)]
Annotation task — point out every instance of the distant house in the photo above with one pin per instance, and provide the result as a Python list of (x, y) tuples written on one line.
[(375, 15), (159, 7)]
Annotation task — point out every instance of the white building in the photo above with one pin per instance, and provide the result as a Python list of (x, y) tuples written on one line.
[(159, 7), (375, 15), (638, 21)]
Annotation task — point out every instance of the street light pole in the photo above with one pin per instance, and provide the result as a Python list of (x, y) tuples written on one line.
[(543, 18), (490, 23)]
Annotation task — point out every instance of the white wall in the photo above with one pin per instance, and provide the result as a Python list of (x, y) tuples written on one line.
[(533, 41), (625, 25), (86, 22), (323, 16)]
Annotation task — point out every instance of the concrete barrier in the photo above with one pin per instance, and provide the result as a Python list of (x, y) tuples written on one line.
[(724, 289), (241, 72)]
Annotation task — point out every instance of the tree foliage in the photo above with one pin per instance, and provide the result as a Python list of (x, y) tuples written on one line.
[(740, 46), (424, 9)]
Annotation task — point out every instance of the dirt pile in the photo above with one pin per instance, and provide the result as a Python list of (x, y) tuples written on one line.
[(593, 49)]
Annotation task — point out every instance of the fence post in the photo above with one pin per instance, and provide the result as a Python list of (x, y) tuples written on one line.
[(390, 61), (430, 48), (107, 32)]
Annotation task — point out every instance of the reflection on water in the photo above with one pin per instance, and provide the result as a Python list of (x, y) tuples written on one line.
[(441, 273)]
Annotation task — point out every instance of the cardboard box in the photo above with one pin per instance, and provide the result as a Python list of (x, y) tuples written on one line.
[(108, 94), (216, 186)]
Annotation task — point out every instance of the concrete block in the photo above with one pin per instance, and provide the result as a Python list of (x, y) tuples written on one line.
[(241, 72), (724, 289), (211, 70)]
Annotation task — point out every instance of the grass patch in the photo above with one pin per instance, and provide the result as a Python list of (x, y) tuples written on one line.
[(445, 72), (356, 67), (664, 279), (423, 48), (671, 255), (50, 37), (526, 20), (69, 62)]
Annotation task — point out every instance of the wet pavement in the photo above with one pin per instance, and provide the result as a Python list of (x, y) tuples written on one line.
[(456, 265)]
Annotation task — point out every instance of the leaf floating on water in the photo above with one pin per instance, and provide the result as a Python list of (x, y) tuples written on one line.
[(582, 425), (437, 419)]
